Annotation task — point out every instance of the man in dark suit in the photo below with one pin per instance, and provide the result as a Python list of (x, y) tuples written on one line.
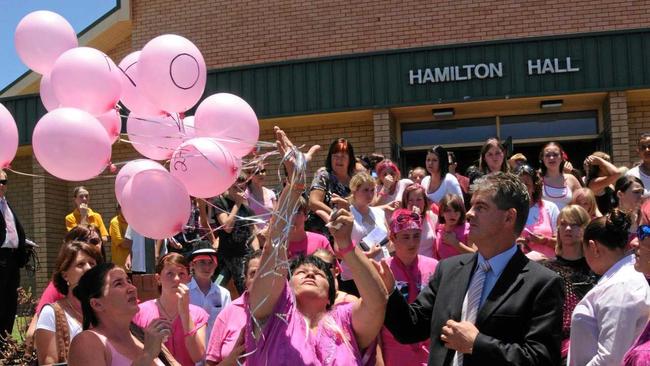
[(494, 307), (12, 241)]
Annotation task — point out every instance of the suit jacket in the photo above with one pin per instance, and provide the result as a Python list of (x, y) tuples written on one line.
[(520, 322), (19, 229)]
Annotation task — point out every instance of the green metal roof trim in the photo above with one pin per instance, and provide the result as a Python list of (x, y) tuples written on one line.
[(599, 62)]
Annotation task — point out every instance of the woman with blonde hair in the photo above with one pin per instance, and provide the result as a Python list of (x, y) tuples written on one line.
[(570, 264), (369, 226), (585, 198)]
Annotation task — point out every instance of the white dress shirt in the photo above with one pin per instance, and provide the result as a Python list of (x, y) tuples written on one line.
[(216, 299), (11, 238), (138, 259), (610, 317)]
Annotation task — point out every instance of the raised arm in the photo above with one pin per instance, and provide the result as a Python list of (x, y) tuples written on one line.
[(611, 173), (272, 274), (367, 312)]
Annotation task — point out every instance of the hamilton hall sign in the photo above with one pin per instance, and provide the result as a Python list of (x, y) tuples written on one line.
[(487, 71)]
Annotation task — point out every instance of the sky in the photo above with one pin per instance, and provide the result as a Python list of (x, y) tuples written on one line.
[(79, 13)]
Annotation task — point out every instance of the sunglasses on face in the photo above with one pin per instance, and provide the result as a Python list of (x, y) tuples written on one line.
[(261, 171), (406, 218), (4, 182), (551, 155), (643, 231), (527, 169)]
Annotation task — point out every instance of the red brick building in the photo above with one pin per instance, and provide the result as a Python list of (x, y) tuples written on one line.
[(393, 77)]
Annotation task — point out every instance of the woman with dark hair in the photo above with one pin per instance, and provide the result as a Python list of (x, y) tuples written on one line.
[(390, 184), (606, 322), (439, 182), (236, 234), (415, 199), (85, 233), (188, 322), (331, 185), (294, 320), (538, 238), (59, 322), (557, 186), (628, 192), (108, 302), (493, 157), (600, 176), (571, 265)]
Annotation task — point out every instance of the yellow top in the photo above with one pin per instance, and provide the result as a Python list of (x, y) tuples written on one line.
[(117, 229), (94, 218)]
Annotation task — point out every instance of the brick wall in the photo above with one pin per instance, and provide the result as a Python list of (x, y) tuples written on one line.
[(638, 122), (247, 32), (121, 50), (618, 116), (360, 134)]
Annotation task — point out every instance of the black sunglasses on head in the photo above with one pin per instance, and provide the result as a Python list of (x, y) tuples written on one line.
[(4, 181)]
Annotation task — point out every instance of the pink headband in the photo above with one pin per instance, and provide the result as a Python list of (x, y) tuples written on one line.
[(404, 219)]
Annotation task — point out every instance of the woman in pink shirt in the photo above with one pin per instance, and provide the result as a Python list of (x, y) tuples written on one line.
[(412, 272), (295, 322), (188, 322)]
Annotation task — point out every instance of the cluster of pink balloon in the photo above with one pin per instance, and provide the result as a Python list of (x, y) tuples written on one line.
[(80, 89)]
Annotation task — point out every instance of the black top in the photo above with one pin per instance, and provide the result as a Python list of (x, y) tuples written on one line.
[(235, 243)]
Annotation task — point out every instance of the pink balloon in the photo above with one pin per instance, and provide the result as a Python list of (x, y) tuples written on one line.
[(156, 204), (154, 137), (8, 137), (41, 37), (132, 96), (190, 130), (47, 94), (231, 120), (129, 170), (87, 79), (71, 144), (205, 167), (172, 73), (112, 123)]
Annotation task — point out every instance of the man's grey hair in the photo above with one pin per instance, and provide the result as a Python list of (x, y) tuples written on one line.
[(508, 192)]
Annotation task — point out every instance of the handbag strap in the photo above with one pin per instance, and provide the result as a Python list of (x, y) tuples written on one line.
[(62, 332)]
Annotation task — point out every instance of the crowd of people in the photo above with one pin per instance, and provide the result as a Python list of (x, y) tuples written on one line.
[(507, 264)]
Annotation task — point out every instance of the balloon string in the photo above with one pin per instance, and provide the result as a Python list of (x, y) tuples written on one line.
[(28, 174)]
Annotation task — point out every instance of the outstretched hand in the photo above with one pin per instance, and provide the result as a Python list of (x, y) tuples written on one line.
[(285, 145)]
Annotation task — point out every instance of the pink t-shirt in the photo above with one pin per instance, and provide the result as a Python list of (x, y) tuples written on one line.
[(176, 343), (309, 245), (230, 321), (50, 296), (262, 208), (395, 353), (287, 341), (444, 250)]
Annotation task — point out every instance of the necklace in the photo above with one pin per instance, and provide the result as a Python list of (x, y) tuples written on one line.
[(75, 313), (165, 313)]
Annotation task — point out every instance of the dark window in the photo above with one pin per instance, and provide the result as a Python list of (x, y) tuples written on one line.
[(550, 125), (448, 132)]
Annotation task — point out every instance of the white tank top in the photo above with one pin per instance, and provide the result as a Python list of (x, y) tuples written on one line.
[(561, 196)]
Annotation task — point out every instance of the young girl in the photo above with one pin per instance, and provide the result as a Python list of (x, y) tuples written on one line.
[(452, 231), (415, 199), (390, 184)]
